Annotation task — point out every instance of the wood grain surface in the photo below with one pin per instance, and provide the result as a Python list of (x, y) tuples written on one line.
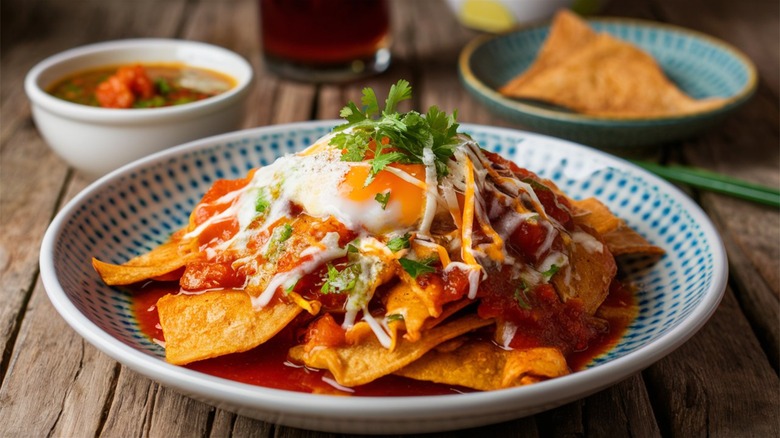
[(723, 382)]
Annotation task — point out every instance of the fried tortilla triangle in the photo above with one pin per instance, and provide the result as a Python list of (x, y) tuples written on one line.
[(362, 363), (604, 77), (216, 323), (482, 365)]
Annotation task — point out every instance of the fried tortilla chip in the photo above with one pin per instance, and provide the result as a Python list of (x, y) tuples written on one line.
[(158, 262), (620, 314), (596, 215), (482, 365), (402, 300), (624, 240), (427, 295), (365, 362), (589, 274), (215, 323), (605, 77), (619, 237), (568, 34)]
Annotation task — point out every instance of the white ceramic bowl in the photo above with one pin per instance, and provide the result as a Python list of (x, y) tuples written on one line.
[(97, 140)]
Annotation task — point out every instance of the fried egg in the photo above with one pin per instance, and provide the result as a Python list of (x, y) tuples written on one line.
[(322, 185)]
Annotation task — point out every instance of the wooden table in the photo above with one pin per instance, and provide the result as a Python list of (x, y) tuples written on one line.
[(723, 382)]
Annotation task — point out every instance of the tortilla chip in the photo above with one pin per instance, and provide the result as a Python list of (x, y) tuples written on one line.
[(365, 362), (482, 365), (606, 77), (596, 215), (158, 262), (402, 300), (619, 237), (624, 240), (216, 323), (622, 315), (568, 34), (428, 295), (589, 273), (448, 310)]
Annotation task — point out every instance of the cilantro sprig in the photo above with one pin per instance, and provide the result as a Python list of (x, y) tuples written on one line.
[(416, 268), (398, 243), (396, 137)]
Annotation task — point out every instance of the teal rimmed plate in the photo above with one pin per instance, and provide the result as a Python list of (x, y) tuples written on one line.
[(700, 65), (137, 207)]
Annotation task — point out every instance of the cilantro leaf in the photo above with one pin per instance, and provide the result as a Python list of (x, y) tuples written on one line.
[(352, 114), (162, 86), (370, 102), (382, 199), (398, 243), (399, 92), (354, 144), (415, 268), (396, 137), (380, 161)]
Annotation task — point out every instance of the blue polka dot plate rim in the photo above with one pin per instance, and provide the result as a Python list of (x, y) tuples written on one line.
[(701, 65), (136, 207)]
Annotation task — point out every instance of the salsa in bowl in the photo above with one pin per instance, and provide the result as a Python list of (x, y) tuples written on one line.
[(142, 86), (95, 140)]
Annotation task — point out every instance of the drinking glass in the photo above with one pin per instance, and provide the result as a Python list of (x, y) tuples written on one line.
[(325, 40)]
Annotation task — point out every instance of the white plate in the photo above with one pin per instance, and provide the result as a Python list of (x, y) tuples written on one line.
[(136, 207)]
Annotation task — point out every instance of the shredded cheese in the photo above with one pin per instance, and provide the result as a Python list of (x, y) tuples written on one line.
[(466, 251), (429, 160), (376, 327)]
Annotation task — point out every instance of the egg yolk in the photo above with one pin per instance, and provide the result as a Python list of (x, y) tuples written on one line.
[(409, 197)]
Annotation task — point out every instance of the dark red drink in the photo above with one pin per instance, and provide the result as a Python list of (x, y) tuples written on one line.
[(325, 39)]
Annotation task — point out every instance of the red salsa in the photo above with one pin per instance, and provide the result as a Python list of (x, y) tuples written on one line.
[(141, 86), (267, 365)]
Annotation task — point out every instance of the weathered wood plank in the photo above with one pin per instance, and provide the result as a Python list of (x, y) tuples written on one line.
[(701, 388), (131, 408), (56, 384), (621, 410), (31, 177), (227, 424), (78, 380), (745, 146), (177, 415), (233, 25), (244, 427)]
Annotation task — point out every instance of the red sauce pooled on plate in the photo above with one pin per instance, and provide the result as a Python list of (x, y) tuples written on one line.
[(267, 365)]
